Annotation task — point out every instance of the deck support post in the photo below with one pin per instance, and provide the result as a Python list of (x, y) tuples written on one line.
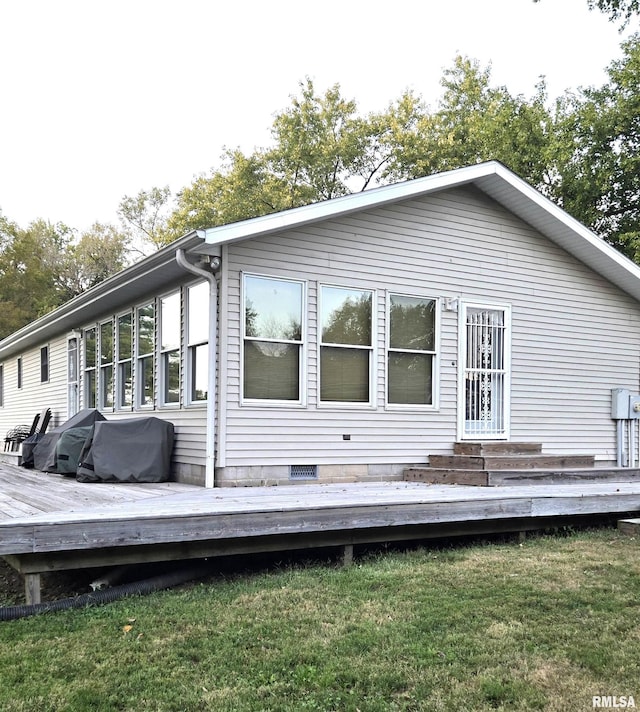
[(32, 589), (347, 554)]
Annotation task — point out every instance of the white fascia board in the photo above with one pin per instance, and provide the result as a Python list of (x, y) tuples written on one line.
[(337, 207), (494, 179), (76, 311)]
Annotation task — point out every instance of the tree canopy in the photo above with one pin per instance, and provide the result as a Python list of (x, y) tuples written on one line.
[(581, 150)]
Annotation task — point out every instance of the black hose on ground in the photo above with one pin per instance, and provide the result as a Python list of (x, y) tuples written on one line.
[(97, 598)]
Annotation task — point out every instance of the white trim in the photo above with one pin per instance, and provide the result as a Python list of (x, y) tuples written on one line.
[(160, 352), (372, 403), (137, 380), (117, 405), (301, 402), (462, 358), (435, 364), (222, 345)]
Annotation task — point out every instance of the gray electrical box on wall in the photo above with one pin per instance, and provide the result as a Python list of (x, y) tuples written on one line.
[(620, 403)]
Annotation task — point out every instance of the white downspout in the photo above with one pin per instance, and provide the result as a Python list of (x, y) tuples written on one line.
[(209, 477)]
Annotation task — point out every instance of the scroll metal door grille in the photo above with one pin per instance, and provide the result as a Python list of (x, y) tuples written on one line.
[(485, 373)]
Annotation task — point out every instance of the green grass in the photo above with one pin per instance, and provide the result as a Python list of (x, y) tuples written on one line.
[(542, 625)]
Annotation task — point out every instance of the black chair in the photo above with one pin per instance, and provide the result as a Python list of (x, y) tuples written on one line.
[(16, 436)]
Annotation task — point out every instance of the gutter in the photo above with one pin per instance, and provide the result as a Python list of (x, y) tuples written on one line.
[(210, 275)]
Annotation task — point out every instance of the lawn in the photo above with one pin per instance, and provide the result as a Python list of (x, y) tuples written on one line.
[(545, 624)]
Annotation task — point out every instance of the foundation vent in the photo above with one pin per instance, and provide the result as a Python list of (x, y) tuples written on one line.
[(303, 472)]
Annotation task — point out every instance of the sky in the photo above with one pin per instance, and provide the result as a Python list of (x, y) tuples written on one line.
[(99, 99)]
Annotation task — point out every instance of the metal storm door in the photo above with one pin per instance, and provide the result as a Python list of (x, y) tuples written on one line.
[(485, 341)]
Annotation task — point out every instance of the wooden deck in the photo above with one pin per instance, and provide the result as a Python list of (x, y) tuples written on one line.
[(49, 522)]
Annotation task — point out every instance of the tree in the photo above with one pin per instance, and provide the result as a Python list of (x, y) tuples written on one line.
[(100, 253), (622, 10), (146, 213), (597, 161), (476, 122)]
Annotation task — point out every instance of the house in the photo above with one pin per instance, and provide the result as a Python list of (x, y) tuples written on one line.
[(349, 339)]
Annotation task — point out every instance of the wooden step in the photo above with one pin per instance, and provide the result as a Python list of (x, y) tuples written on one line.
[(503, 478), (510, 462), (492, 447)]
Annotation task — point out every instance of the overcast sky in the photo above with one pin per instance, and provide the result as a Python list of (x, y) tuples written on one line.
[(103, 99)]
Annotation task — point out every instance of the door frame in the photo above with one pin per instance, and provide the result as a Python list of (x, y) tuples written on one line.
[(504, 432)]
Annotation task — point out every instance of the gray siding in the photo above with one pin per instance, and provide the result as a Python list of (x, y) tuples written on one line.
[(575, 336)]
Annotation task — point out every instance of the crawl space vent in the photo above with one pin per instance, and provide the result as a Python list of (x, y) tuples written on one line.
[(303, 472)]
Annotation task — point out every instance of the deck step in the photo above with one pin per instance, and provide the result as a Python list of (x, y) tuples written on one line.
[(503, 478), (496, 448), (510, 462)]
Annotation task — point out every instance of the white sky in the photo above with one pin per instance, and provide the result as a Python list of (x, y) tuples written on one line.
[(103, 99)]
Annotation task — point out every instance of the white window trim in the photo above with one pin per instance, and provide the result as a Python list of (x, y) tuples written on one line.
[(435, 375), (118, 361), (160, 352), (100, 367), (86, 369), (188, 401), (302, 368), (137, 379), (373, 351)]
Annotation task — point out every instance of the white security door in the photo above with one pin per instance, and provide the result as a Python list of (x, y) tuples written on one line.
[(485, 351)]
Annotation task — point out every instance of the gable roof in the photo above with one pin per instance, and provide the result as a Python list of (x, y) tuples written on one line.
[(493, 178)]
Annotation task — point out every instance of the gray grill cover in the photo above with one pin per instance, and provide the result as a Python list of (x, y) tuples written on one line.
[(44, 453), (68, 449), (132, 450)]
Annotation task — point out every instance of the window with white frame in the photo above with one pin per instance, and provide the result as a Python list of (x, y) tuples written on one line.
[(411, 350), (44, 364), (346, 344), (273, 338), (106, 365), (170, 348), (90, 360), (124, 355), (1, 385), (198, 341), (145, 340)]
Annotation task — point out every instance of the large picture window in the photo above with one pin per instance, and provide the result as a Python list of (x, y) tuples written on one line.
[(198, 341), (145, 340), (170, 348), (273, 337), (346, 345), (411, 350)]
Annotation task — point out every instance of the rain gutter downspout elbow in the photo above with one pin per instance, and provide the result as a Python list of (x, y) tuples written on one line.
[(210, 276)]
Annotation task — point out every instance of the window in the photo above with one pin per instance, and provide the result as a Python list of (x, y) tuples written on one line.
[(346, 346), (170, 347), (124, 372), (44, 364), (145, 339), (73, 403), (198, 341), (1, 385), (19, 371), (90, 378), (106, 365), (273, 334), (411, 350)]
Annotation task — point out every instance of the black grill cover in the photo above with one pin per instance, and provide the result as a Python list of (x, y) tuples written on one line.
[(44, 453), (132, 450)]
